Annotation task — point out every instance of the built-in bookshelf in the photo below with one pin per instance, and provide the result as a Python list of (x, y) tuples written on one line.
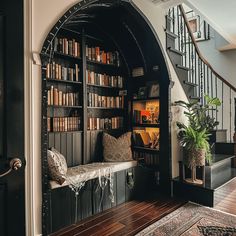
[(145, 112), (85, 87), (97, 71)]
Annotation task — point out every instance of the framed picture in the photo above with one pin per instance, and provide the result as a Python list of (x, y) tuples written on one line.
[(198, 26), (154, 91)]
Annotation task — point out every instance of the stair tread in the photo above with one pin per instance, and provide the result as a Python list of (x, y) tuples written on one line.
[(171, 34), (182, 67), (176, 51), (220, 158), (190, 83)]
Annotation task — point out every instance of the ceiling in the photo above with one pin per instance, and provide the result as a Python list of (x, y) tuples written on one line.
[(219, 14)]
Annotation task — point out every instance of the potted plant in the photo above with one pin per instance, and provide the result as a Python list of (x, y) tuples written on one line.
[(194, 137)]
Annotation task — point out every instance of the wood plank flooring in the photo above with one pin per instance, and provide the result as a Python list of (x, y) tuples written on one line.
[(226, 198), (125, 219)]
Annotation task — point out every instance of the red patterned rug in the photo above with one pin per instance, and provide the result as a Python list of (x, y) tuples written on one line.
[(193, 220)]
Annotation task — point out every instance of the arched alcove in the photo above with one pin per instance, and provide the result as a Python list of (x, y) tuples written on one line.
[(121, 27)]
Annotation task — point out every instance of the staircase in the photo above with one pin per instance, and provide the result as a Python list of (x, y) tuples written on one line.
[(198, 78)]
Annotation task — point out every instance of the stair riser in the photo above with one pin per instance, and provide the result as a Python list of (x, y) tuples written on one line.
[(218, 136), (182, 74), (224, 148), (168, 23), (170, 41), (175, 57), (219, 173)]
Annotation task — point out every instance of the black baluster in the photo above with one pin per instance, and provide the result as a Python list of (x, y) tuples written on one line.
[(185, 49), (178, 41), (189, 59), (212, 92), (216, 96), (222, 111), (173, 19), (192, 59), (230, 115), (195, 60)]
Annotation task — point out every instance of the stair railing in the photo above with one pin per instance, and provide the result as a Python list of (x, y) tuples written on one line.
[(201, 73)]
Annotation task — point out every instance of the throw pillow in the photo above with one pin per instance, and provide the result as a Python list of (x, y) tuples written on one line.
[(117, 149), (57, 166)]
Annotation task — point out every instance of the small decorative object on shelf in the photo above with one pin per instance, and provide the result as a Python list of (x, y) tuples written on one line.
[(154, 91), (137, 72), (146, 139), (149, 115)]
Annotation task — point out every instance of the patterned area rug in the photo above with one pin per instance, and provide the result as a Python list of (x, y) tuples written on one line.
[(193, 220)]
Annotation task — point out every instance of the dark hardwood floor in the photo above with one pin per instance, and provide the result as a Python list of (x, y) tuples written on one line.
[(226, 198), (125, 219)]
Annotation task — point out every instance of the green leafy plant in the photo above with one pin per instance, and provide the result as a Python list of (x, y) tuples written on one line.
[(195, 135), (198, 115)]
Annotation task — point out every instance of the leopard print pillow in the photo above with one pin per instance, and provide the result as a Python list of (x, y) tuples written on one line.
[(57, 166), (117, 149)]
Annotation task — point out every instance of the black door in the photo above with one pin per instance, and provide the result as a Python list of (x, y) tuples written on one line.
[(12, 196)]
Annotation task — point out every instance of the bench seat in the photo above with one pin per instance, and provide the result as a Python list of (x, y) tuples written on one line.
[(91, 171)]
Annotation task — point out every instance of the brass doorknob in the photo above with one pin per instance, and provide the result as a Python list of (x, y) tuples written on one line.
[(14, 164)]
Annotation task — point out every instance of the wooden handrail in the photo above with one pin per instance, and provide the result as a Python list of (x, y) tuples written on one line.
[(198, 51)]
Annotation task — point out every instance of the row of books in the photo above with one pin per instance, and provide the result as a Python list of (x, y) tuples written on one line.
[(57, 97), (105, 123), (147, 158), (63, 124), (99, 55), (95, 100), (57, 71), (103, 79), (67, 46)]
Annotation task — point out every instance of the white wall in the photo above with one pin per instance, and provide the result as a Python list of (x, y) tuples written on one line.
[(222, 62), (44, 15)]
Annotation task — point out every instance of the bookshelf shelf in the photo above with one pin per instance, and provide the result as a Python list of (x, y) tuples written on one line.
[(145, 99), (66, 132), (67, 56), (105, 108), (64, 81), (103, 86), (105, 130), (55, 106), (138, 148), (91, 62), (146, 125)]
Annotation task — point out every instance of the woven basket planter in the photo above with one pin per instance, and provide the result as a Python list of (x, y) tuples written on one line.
[(195, 157)]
